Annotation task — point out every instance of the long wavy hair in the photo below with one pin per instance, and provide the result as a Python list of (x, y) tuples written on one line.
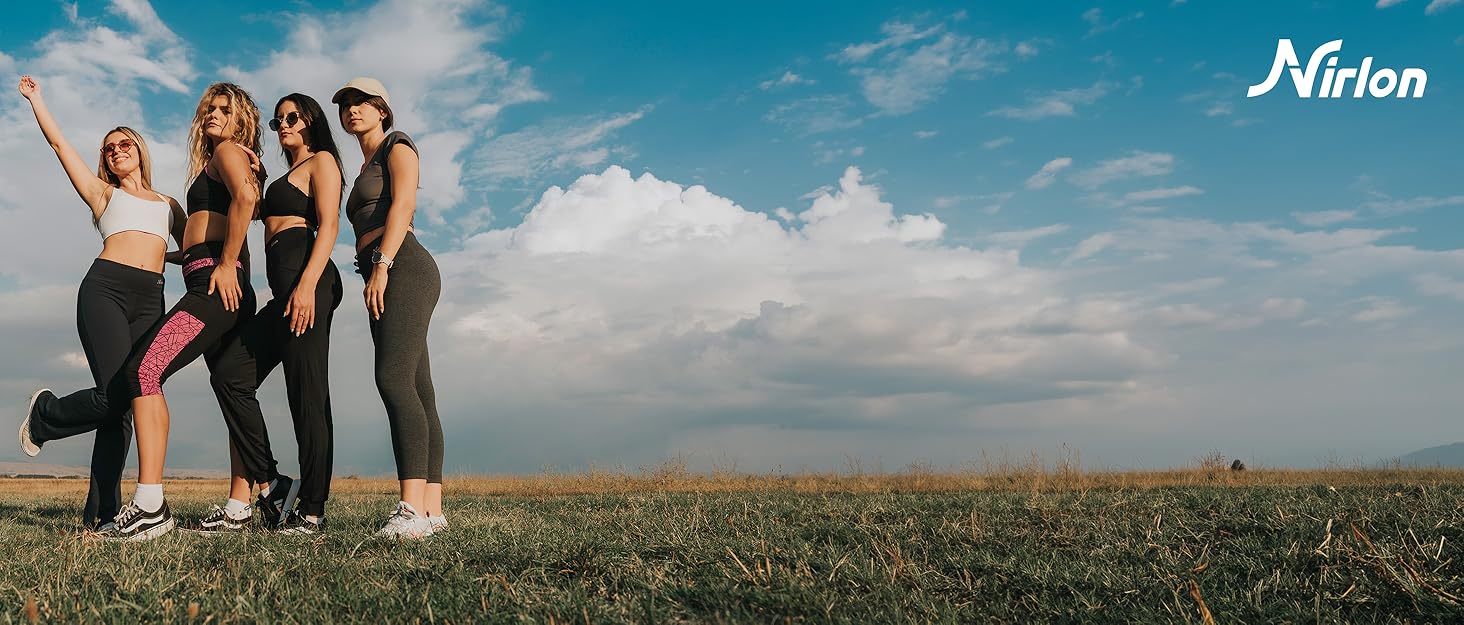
[(317, 135), (144, 159), (247, 131)]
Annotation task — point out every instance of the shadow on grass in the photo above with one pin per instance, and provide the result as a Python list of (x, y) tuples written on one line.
[(51, 516)]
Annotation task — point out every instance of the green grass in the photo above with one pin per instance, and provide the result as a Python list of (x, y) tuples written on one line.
[(1251, 553)]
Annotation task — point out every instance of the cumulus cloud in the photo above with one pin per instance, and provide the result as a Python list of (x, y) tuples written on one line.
[(447, 87), (678, 305)]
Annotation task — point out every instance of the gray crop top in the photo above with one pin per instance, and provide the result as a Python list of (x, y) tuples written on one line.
[(370, 198)]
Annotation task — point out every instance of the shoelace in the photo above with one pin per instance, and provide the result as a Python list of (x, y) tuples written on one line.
[(214, 514), (127, 514)]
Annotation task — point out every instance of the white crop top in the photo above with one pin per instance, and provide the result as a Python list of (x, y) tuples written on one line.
[(126, 212)]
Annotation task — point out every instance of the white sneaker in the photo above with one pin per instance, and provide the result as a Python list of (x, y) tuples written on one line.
[(26, 444), (405, 524), (438, 523)]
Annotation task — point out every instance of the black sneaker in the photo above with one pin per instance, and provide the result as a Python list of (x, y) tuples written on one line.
[(296, 524), (218, 522), (135, 525), (281, 499)]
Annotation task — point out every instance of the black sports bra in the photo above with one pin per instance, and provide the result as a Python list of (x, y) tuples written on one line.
[(197, 196), (283, 199)]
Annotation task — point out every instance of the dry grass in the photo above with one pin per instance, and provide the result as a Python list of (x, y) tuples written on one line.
[(673, 477)]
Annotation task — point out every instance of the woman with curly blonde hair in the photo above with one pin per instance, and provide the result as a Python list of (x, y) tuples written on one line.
[(224, 154)]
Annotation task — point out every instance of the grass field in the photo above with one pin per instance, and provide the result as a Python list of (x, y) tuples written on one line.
[(667, 546)]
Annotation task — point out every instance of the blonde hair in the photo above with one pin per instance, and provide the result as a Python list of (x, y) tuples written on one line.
[(246, 127), (144, 160)]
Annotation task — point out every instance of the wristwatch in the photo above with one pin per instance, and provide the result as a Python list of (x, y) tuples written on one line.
[(378, 259)]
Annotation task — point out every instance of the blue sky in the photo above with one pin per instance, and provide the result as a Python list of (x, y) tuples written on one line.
[(790, 234)]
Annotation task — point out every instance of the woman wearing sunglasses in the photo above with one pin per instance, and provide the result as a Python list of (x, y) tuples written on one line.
[(380, 208), (223, 162), (301, 214), (120, 298)]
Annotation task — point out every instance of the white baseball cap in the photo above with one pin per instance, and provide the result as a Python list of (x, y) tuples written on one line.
[(368, 86)]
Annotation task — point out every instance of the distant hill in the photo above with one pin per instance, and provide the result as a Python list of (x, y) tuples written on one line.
[(1451, 455), (36, 469)]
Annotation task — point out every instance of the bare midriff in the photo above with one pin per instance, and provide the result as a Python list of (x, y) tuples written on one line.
[(135, 249), (276, 225), (205, 226), (365, 240)]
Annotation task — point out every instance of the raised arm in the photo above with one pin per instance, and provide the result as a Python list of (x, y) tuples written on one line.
[(91, 188)]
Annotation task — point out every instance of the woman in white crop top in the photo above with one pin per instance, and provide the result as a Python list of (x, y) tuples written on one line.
[(120, 298)]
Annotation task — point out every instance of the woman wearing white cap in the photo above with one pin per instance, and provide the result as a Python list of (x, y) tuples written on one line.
[(402, 287)]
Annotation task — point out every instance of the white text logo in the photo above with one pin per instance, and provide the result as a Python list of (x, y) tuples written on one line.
[(1378, 84)]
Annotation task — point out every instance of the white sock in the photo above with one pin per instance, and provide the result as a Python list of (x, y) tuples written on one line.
[(149, 497), (236, 509), (312, 518), (264, 490)]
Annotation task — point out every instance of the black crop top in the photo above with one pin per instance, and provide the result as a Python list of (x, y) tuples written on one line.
[(283, 199), (370, 198), (219, 197), (197, 196)]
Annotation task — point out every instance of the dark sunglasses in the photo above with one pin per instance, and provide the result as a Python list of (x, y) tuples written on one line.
[(125, 145), (289, 121)]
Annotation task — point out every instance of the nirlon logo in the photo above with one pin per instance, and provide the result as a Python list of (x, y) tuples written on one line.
[(1378, 84)]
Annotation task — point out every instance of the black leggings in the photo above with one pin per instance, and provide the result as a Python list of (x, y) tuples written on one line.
[(403, 370), (198, 325), (268, 342), (115, 305)]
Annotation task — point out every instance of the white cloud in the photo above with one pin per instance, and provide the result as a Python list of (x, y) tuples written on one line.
[(815, 115), (1028, 49), (1091, 246), (1283, 307), (1060, 103), (788, 79), (672, 309), (1319, 219), (1381, 309), (1094, 18), (1045, 176), (1390, 206), (997, 142), (911, 67), (1438, 5), (1135, 165), (552, 147), (447, 87), (1383, 4), (1152, 195), (1020, 238), (904, 81), (1439, 285), (925, 134)]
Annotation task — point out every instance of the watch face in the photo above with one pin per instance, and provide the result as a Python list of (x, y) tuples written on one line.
[(376, 256)]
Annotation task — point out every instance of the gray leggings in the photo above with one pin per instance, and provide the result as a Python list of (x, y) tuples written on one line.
[(403, 373)]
